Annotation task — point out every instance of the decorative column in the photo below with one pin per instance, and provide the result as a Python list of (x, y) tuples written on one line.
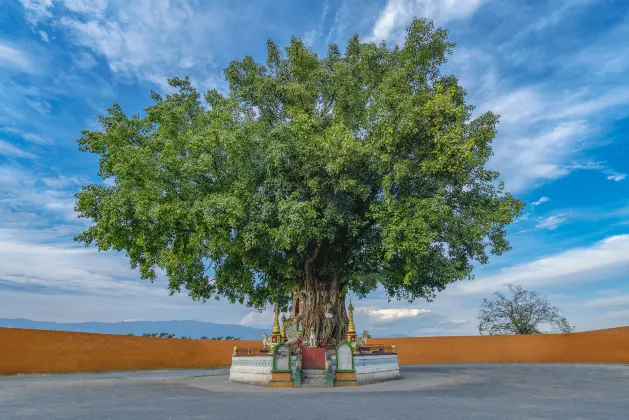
[(276, 334), (351, 328), (284, 338)]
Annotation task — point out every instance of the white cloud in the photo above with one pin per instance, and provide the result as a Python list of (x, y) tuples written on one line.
[(36, 10), (46, 277), (540, 201), (42, 106), (310, 37), (68, 268), (186, 62), (88, 7), (9, 150), (391, 314), (85, 61), (11, 57), (43, 35), (617, 177), (522, 104), (258, 319), (144, 39), (397, 14), (551, 223), (26, 192), (63, 181), (29, 137), (587, 264), (591, 105), (544, 133), (141, 39), (605, 302), (525, 161), (624, 314)]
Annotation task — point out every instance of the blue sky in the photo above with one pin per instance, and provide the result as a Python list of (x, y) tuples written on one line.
[(555, 70)]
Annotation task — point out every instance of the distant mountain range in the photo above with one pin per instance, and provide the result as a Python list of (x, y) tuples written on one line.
[(193, 329)]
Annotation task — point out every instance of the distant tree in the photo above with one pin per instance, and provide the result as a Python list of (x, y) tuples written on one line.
[(131, 334), (563, 326), (313, 177), (216, 338), (160, 335), (205, 337), (183, 337), (230, 337), (524, 312)]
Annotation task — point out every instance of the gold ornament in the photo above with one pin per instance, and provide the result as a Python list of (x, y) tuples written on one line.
[(276, 323), (284, 338), (351, 328)]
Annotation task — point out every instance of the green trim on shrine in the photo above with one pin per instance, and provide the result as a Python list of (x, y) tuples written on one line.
[(274, 369), (351, 352)]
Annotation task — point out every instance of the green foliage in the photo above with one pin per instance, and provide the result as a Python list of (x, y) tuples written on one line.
[(131, 334), (184, 337), (366, 162), (524, 312)]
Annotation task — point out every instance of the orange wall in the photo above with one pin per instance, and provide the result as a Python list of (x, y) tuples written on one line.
[(38, 351), (602, 346)]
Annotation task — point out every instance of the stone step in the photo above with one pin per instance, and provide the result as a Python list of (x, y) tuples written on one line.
[(314, 383), (314, 379), (313, 372)]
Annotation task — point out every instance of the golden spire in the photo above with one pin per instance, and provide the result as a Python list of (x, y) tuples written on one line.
[(284, 338), (276, 323), (351, 328)]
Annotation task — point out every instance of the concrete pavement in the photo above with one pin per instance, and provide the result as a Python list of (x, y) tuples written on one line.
[(475, 392)]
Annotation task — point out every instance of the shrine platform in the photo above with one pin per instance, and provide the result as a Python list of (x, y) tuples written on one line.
[(367, 368)]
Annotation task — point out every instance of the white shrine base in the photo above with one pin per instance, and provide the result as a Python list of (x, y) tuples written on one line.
[(374, 368), (255, 370)]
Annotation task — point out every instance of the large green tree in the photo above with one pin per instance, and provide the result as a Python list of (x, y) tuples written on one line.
[(312, 178)]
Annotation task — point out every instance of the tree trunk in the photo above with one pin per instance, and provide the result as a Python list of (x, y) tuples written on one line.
[(318, 296)]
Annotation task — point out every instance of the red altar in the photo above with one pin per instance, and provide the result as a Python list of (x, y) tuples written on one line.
[(313, 358)]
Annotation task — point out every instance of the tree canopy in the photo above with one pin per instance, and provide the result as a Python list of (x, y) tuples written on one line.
[(363, 168), (524, 312)]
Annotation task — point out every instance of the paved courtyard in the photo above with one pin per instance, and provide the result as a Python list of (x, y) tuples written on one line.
[(478, 392)]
